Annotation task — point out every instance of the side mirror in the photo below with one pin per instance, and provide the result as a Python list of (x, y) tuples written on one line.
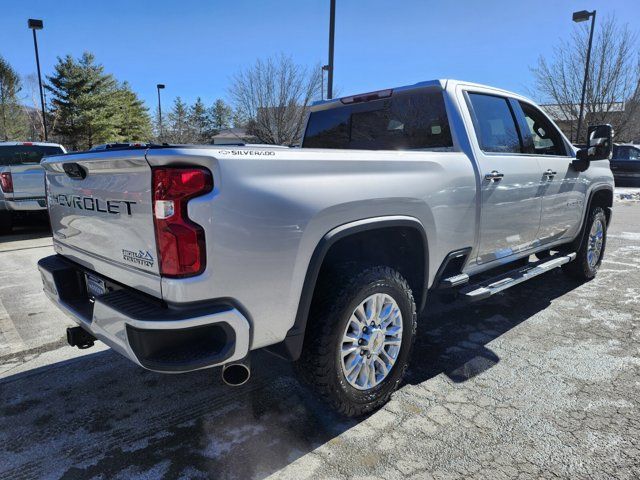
[(600, 144)]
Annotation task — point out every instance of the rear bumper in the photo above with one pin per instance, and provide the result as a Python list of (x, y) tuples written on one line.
[(26, 204), (143, 329)]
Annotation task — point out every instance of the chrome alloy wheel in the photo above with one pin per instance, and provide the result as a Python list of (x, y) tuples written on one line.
[(594, 247), (371, 341)]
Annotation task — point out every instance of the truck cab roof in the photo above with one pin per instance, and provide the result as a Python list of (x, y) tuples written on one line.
[(438, 83)]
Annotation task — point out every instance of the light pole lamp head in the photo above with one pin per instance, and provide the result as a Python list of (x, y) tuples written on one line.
[(160, 86), (582, 16), (35, 24)]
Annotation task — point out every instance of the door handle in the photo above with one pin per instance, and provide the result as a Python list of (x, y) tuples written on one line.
[(550, 174), (494, 176)]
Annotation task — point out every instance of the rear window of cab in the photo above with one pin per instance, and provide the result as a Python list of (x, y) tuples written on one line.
[(403, 121), (26, 154)]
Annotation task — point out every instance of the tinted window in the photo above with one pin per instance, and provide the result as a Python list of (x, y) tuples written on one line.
[(634, 154), (626, 153), (403, 121), (619, 153), (546, 137), (494, 125), (328, 129), (19, 154)]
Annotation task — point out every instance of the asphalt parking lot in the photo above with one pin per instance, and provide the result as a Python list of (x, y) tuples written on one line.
[(541, 381)]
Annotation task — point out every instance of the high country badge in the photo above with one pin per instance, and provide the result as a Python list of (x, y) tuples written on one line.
[(142, 258)]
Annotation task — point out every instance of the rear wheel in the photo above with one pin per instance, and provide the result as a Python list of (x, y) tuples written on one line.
[(589, 257), (359, 340)]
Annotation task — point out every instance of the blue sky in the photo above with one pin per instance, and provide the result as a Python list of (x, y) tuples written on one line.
[(195, 46)]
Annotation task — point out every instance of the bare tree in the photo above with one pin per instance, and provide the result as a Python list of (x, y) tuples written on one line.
[(614, 75), (274, 95)]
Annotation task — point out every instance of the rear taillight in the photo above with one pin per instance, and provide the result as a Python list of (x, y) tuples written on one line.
[(6, 182), (181, 244)]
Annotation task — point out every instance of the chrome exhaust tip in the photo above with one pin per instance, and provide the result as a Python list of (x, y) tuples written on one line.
[(236, 374)]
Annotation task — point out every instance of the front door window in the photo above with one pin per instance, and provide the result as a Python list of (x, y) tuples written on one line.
[(546, 137)]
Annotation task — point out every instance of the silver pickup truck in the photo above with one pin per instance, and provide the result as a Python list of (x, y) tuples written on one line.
[(22, 179), (182, 258)]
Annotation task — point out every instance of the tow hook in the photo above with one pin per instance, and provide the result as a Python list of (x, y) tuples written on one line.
[(79, 337)]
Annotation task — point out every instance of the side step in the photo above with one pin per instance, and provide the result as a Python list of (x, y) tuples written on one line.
[(491, 286), (455, 281)]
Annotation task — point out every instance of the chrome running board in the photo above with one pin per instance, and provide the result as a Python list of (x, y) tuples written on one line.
[(491, 286)]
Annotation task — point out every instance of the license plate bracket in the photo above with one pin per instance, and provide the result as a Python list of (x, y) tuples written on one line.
[(95, 286)]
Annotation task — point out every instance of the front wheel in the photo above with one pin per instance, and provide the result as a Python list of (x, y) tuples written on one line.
[(359, 340), (589, 257)]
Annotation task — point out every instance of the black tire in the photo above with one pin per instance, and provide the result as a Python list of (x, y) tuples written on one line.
[(6, 223), (321, 364), (581, 268)]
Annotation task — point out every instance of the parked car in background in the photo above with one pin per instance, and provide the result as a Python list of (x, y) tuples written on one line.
[(625, 165), (22, 180)]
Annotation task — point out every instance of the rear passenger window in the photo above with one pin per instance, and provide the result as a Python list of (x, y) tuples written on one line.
[(414, 120), (494, 124)]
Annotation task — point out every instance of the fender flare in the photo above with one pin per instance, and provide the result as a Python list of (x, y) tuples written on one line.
[(577, 242), (291, 347)]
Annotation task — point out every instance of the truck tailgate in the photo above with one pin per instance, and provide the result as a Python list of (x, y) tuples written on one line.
[(100, 206), (28, 181)]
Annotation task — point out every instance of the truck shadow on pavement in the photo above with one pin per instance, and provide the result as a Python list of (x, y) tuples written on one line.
[(27, 231), (452, 338), (101, 416)]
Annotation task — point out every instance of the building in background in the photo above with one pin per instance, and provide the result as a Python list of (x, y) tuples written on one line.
[(230, 136), (566, 116)]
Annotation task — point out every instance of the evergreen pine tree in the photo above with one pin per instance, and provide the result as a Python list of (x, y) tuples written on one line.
[(198, 122), (82, 102), (219, 117), (177, 128), (131, 117)]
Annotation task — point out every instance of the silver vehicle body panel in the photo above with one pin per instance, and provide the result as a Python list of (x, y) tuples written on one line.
[(271, 207), (86, 232), (28, 181), (561, 203), (266, 216)]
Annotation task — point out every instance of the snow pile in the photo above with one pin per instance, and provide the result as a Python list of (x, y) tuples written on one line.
[(627, 194)]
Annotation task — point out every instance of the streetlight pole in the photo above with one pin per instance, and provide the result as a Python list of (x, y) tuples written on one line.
[(332, 29), (324, 68), (159, 86), (34, 25), (578, 17)]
